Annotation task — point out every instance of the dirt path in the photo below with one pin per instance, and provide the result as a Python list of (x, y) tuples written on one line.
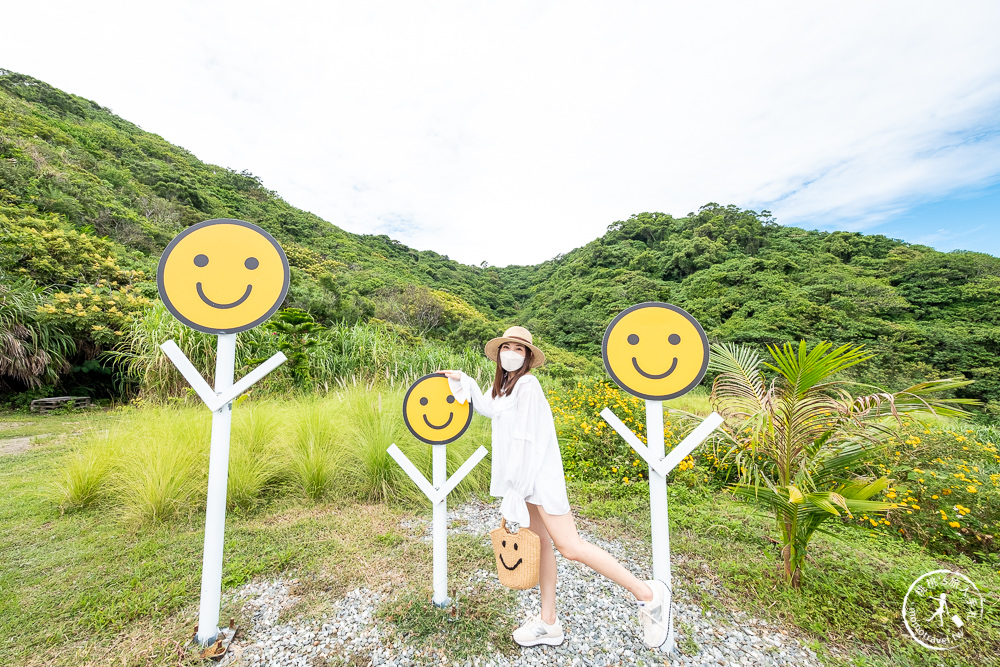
[(14, 445)]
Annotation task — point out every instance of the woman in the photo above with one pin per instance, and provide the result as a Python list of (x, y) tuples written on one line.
[(527, 473)]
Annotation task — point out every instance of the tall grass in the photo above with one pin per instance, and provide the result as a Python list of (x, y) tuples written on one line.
[(345, 356), (153, 464), (375, 423), (315, 447), (254, 460), (164, 471), (158, 378), (80, 482)]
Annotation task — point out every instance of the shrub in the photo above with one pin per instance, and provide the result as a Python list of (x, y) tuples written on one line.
[(794, 436), (946, 484), (591, 449)]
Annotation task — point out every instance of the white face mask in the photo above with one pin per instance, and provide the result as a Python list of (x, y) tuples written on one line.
[(511, 361)]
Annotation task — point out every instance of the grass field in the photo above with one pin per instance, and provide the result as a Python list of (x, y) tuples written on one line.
[(98, 584)]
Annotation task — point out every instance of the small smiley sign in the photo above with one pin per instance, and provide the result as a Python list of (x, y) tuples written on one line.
[(655, 351), (431, 412), (223, 276)]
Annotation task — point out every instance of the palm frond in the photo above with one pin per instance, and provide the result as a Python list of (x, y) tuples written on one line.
[(804, 369), (739, 380)]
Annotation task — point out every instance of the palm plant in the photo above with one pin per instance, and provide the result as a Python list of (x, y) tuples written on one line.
[(795, 437), (32, 351)]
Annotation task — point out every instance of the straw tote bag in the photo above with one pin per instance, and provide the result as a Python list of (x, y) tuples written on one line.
[(518, 556)]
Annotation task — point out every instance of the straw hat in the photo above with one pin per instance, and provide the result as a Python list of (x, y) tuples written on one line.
[(516, 335)]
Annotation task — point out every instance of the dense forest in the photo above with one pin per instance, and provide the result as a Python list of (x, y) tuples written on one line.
[(88, 201)]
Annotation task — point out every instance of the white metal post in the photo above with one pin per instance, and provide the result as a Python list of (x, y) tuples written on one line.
[(440, 527), (215, 512), (438, 495), (658, 493), (658, 513)]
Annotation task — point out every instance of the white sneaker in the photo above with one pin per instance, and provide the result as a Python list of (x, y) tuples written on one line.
[(654, 616), (535, 631)]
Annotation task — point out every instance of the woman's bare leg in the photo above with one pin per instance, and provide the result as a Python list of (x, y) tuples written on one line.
[(562, 530), (547, 567)]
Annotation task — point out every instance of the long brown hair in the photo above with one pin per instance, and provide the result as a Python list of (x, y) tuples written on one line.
[(503, 382)]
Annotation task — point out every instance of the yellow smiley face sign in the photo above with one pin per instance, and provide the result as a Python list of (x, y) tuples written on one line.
[(655, 351), (431, 412), (223, 276)]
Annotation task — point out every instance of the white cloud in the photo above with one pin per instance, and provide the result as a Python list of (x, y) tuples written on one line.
[(511, 132)]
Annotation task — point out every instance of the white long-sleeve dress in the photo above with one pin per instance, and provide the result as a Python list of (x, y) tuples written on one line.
[(527, 466)]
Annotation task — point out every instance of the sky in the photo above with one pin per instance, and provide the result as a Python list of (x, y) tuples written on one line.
[(512, 132)]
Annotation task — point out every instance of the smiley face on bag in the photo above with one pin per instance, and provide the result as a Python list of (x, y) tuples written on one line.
[(431, 412), (509, 547)]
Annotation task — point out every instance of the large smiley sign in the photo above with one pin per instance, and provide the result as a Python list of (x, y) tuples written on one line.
[(223, 276), (655, 351), (431, 412)]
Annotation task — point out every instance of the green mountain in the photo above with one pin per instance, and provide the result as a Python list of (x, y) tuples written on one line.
[(88, 201)]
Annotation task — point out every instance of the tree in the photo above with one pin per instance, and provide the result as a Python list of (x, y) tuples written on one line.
[(794, 438), (298, 337)]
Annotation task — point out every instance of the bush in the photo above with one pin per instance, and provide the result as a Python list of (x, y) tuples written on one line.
[(592, 450), (946, 482)]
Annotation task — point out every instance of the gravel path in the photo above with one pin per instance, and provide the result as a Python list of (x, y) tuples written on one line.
[(599, 619)]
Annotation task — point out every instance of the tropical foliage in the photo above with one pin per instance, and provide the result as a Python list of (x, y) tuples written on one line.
[(794, 437), (32, 350)]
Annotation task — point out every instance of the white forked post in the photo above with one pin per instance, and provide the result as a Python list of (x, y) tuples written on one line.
[(219, 402), (438, 494), (659, 467)]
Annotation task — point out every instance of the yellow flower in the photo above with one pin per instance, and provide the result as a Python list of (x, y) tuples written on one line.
[(970, 489), (954, 524)]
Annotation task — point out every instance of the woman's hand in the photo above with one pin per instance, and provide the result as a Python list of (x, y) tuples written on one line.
[(451, 375)]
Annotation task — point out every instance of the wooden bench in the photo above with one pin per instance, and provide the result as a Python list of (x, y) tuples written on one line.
[(44, 405)]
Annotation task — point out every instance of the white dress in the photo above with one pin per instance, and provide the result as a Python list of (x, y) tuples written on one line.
[(527, 466)]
